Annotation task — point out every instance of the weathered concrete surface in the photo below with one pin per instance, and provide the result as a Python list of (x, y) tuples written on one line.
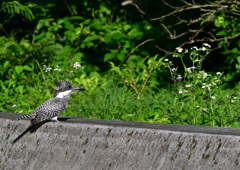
[(77, 143)]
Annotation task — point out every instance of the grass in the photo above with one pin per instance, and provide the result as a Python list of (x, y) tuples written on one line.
[(196, 97)]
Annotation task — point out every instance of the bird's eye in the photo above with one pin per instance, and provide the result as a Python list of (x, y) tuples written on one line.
[(69, 87)]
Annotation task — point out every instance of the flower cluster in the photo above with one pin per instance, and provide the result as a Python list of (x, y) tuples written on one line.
[(57, 69), (77, 65), (194, 77), (48, 69), (179, 49)]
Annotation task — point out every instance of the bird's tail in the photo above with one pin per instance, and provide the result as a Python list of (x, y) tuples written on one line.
[(26, 116)]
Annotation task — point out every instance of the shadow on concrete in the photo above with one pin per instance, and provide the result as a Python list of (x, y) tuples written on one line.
[(31, 129), (63, 118)]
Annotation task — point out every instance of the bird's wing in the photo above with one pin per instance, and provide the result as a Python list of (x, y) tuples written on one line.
[(41, 115), (49, 109)]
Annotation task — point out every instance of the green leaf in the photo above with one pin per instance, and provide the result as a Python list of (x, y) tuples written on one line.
[(18, 69), (136, 33), (238, 59), (229, 77), (6, 64), (76, 18), (109, 56), (41, 23), (25, 43), (223, 33), (20, 89), (221, 18), (112, 64), (117, 35), (126, 27), (50, 35), (120, 56), (78, 56), (217, 23), (13, 76), (68, 25), (133, 58), (70, 35), (90, 44), (92, 38), (104, 9), (235, 50), (40, 36), (27, 68)]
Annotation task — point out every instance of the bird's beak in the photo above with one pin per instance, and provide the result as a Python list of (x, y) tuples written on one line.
[(78, 89)]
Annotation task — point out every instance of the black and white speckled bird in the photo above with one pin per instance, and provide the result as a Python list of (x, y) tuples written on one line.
[(51, 108)]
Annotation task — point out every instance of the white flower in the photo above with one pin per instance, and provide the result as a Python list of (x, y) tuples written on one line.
[(188, 85), (179, 49), (20, 111), (174, 69), (203, 87), (232, 101), (14, 105), (57, 69), (218, 73), (164, 60), (78, 65), (207, 45), (228, 96), (48, 69), (180, 91), (193, 67), (195, 47), (205, 75), (213, 97), (189, 70), (205, 109), (179, 77), (44, 66), (197, 106), (204, 49)]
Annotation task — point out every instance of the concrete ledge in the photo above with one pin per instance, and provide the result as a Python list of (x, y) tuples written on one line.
[(80, 143)]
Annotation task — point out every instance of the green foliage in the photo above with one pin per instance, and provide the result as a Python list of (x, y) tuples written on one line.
[(199, 95), (77, 45), (70, 35), (137, 74), (14, 7), (229, 27)]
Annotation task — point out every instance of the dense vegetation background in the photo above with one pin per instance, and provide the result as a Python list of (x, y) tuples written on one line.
[(123, 52)]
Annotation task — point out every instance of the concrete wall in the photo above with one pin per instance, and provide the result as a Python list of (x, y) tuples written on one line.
[(78, 143)]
